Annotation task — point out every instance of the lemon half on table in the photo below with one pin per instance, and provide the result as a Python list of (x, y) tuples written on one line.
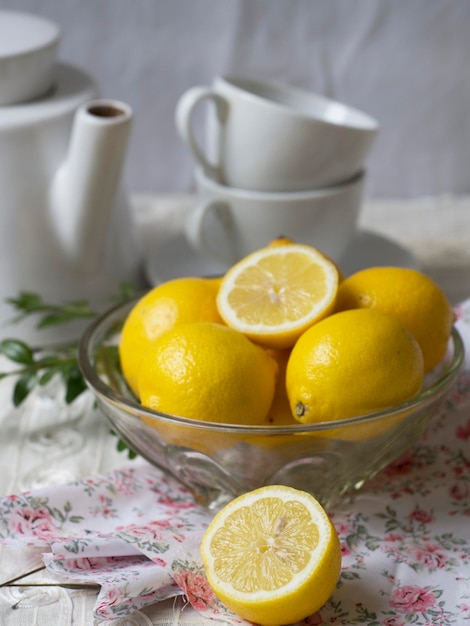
[(272, 555)]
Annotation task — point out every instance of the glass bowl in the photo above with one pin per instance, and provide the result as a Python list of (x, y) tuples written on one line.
[(217, 462)]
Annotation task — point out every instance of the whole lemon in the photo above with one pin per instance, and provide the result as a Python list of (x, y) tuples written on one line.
[(208, 372), (410, 296), (352, 363), (177, 301)]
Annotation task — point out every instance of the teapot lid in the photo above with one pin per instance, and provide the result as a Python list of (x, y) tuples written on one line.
[(28, 47)]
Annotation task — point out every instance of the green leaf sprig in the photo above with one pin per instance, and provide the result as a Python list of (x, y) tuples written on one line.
[(28, 303), (37, 367)]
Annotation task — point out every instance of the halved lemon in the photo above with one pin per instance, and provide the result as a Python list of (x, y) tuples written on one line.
[(272, 555), (275, 294)]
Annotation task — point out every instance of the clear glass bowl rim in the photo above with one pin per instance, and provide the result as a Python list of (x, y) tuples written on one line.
[(105, 321)]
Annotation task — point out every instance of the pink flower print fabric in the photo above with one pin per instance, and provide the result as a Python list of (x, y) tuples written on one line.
[(405, 536), (123, 531)]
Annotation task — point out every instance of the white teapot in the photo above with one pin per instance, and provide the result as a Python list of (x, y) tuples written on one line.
[(66, 231)]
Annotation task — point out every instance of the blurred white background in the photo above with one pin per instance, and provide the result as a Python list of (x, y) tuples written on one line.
[(406, 63)]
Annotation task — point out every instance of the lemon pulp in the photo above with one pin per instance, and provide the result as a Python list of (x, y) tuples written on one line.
[(272, 555), (276, 293)]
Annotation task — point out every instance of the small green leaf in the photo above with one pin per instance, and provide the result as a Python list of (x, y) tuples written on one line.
[(24, 385), (127, 290), (54, 319), (80, 306), (27, 301), (122, 446), (74, 386), (49, 361), (46, 377), (17, 351)]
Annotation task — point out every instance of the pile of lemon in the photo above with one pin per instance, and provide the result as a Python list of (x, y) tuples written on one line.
[(282, 338)]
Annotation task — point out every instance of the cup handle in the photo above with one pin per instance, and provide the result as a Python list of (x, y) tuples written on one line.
[(184, 116), (215, 242)]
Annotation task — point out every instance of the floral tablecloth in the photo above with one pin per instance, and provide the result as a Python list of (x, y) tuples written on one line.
[(405, 536)]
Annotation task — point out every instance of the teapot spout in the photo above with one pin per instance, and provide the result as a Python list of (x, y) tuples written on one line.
[(85, 187)]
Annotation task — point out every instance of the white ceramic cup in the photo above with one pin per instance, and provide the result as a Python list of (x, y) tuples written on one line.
[(268, 137), (227, 223)]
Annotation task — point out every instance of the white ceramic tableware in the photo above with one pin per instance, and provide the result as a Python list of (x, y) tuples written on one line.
[(227, 223), (269, 137), (66, 231)]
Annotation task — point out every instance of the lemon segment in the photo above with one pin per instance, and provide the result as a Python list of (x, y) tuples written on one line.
[(272, 555), (275, 294)]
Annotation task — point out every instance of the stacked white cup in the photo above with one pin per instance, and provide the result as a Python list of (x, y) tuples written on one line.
[(277, 162)]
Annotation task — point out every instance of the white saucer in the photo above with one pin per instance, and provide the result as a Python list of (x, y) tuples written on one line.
[(371, 249), (175, 257)]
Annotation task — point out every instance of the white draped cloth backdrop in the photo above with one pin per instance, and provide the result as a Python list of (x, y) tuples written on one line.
[(406, 63)]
